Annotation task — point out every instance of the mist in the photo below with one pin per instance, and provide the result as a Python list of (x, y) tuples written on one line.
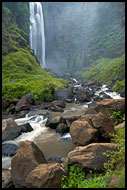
[(79, 33)]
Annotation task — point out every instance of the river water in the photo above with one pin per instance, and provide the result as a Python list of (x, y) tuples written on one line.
[(48, 141)]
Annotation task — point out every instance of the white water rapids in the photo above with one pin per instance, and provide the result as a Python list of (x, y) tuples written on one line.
[(37, 37)]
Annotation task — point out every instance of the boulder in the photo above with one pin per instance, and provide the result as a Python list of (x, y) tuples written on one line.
[(70, 118), (57, 109), (63, 94), (26, 128), (105, 105), (83, 95), (26, 159), (53, 122), (5, 103), (60, 103), (22, 105), (102, 123), (82, 133), (45, 176), (10, 129), (9, 149), (90, 156), (6, 179), (62, 128), (29, 98), (25, 102)]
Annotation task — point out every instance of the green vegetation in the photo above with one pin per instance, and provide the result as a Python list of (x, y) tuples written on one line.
[(119, 86), (118, 115), (114, 174), (21, 72), (23, 68), (77, 179), (105, 69)]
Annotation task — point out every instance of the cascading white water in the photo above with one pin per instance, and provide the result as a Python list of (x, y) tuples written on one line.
[(37, 37)]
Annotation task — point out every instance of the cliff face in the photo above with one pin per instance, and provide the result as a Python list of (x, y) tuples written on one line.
[(77, 34)]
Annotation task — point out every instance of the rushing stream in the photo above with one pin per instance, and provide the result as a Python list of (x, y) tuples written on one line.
[(48, 141)]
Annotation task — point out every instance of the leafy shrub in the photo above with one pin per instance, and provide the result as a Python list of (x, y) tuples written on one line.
[(76, 179), (119, 86)]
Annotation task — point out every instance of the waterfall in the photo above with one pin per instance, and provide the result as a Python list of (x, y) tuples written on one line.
[(37, 37)]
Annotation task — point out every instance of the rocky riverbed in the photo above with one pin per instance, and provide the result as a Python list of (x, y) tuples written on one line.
[(56, 128)]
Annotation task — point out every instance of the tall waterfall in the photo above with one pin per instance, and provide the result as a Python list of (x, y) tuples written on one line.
[(37, 37)]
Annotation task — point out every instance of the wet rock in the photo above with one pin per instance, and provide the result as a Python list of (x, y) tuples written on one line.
[(104, 96), (69, 119), (53, 122), (57, 109), (82, 133), (68, 100), (60, 104), (6, 179), (63, 94), (97, 98), (83, 95), (62, 128), (90, 156), (26, 128), (55, 159), (10, 129), (45, 176), (26, 159), (9, 149)]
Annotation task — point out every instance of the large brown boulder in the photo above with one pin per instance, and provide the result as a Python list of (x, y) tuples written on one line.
[(90, 156), (6, 179), (83, 133), (10, 129), (105, 106), (91, 128), (26, 159), (45, 176)]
